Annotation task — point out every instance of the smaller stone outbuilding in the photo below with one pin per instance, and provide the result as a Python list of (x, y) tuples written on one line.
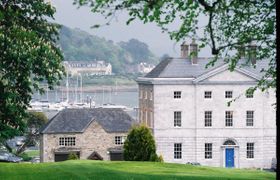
[(96, 134)]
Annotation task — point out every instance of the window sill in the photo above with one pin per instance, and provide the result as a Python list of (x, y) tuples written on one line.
[(177, 127)]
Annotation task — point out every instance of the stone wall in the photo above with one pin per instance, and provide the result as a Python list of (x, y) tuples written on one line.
[(146, 101)]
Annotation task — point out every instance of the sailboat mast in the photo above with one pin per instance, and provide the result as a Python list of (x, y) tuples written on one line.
[(67, 87), (76, 90), (81, 89)]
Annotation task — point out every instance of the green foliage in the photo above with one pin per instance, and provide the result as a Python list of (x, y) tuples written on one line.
[(34, 121), (231, 25), (108, 80), (140, 145), (73, 156), (79, 45), (160, 159), (29, 55), (139, 51), (25, 157)]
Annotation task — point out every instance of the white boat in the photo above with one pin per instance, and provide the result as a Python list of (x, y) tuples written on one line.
[(57, 106), (79, 105), (39, 105), (110, 105)]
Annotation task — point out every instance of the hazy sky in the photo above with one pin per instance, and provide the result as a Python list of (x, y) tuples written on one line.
[(159, 43)]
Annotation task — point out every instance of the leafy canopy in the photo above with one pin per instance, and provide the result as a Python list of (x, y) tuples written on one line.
[(29, 55), (34, 122), (231, 25)]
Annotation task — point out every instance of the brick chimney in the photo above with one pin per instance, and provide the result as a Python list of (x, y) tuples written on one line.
[(193, 52), (184, 50), (252, 49), (241, 51)]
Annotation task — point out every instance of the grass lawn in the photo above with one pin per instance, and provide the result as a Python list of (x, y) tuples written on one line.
[(86, 169), (32, 153)]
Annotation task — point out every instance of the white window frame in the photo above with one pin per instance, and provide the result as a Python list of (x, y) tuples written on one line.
[(146, 117), (250, 150), (141, 94), (177, 118), (67, 141), (208, 151), (151, 117), (249, 118), (151, 95), (146, 94), (208, 118), (207, 94), (119, 140), (177, 94), (228, 94), (177, 151), (229, 118)]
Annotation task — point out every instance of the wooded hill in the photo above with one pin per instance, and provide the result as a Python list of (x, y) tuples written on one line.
[(79, 45)]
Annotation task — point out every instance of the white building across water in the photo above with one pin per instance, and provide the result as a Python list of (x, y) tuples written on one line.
[(88, 67), (186, 106)]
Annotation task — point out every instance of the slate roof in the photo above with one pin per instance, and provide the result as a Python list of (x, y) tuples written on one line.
[(77, 120), (183, 68)]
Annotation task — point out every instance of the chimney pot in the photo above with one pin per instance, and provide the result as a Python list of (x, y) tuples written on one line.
[(184, 50), (241, 51), (193, 52), (252, 48)]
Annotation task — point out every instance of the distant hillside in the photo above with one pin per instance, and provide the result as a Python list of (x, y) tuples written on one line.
[(80, 45)]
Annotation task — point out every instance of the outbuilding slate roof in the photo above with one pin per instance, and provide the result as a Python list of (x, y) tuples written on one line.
[(183, 68), (77, 120)]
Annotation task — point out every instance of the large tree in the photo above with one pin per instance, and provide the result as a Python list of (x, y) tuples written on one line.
[(29, 55), (231, 25)]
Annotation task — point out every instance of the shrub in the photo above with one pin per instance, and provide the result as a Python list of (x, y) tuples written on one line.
[(140, 145), (25, 157), (160, 159), (73, 156)]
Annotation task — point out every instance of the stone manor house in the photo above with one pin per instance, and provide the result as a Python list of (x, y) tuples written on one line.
[(186, 106), (96, 134)]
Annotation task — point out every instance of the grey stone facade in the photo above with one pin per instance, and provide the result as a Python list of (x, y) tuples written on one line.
[(94, 131), (93, 139)]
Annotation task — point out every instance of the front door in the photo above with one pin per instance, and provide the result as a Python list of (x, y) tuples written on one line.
[(229, 157)]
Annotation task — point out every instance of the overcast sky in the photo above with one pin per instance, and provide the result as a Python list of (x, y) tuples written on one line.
[(159, 43)]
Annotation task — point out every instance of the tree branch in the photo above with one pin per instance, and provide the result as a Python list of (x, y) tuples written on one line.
[(205, 5), (210, 9)]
